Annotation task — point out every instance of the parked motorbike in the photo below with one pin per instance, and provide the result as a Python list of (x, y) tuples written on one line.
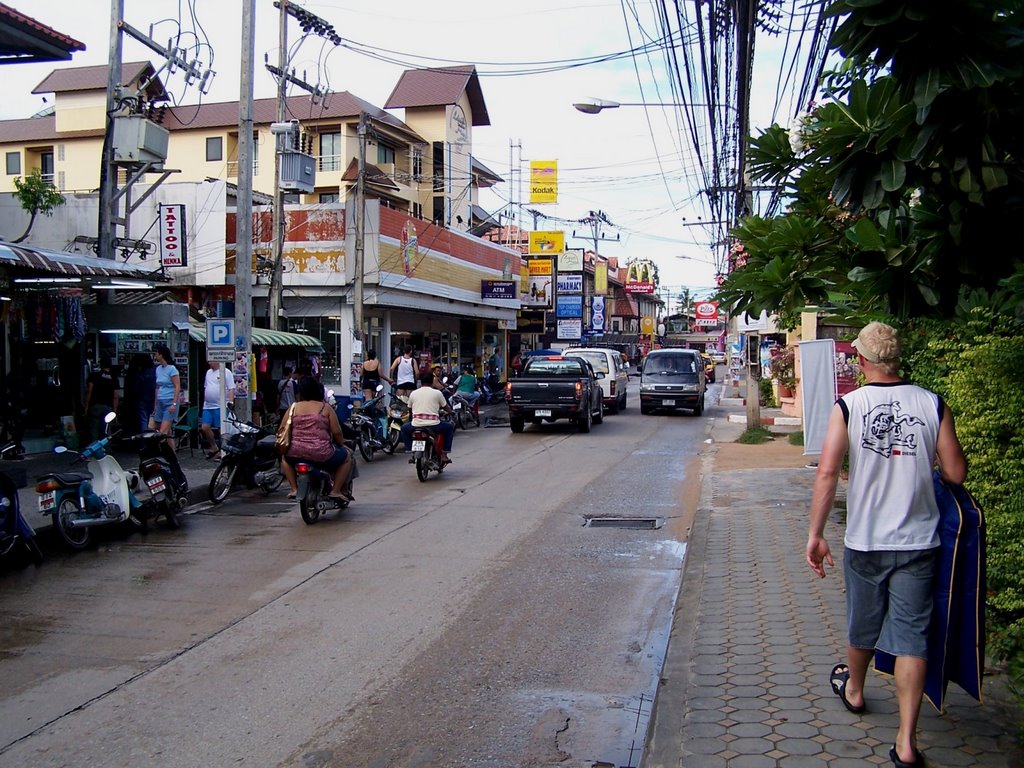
[(250, 457), (492, 389), (465, 412), (313, 486), (366, 421), (398, 414), (100, 496), (160, 470), (15, 532)]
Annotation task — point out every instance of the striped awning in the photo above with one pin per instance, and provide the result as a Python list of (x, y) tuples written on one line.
[(43, 260), (264, 337)]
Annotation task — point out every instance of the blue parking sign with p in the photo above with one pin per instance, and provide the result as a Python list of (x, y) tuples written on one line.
[(220, 337)]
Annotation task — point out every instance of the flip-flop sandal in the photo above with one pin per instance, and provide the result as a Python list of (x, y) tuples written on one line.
[(917, 763), (838, 679)]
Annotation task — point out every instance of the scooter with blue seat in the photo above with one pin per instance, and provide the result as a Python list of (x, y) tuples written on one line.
[(101, 496)]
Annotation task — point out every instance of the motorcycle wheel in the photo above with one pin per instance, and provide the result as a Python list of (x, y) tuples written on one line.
[(423, 467), (169, 509), (34, 552), (309, 507), (392, 442), (222, 480), (75, 538), (365, 446), (476, 416), (461, 417)]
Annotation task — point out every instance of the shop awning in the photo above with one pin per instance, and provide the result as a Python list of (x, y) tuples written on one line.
[(264, 337), (43, 260)]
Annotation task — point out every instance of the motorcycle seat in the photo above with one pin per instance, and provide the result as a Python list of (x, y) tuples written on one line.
[(267, 441), (67, 478)]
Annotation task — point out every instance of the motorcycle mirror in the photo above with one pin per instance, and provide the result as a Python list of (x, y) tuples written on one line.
[(60, 449), (330, 393), (351, 406), (109, 417), (380, 388)]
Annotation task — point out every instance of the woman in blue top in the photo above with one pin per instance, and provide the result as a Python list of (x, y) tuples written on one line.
[(168, 389)]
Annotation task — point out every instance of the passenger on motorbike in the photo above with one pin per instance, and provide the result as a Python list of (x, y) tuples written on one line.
[(316, 437), (427, 404)]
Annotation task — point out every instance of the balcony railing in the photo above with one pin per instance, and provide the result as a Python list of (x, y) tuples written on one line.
[(233, 167), (329, 163)]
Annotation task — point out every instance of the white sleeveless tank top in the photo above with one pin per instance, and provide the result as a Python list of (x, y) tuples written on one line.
[(893, 429)]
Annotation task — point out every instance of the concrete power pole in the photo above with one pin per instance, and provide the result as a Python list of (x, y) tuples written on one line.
[(360, 214), (243, 206), (108, 172), (745, 11), (274, 296)]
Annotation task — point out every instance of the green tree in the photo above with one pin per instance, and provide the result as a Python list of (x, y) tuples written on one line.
[(36, 196), (904, 182)]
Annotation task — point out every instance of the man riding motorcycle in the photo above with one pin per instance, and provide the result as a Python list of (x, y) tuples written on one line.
[(427, 404)]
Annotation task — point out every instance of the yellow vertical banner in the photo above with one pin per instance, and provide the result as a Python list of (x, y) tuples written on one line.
[(543, 181), (600, 279)]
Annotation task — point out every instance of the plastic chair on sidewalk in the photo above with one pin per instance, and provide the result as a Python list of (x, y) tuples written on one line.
[(186, 430)]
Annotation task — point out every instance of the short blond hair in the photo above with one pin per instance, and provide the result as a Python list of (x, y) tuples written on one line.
[(879, 343)]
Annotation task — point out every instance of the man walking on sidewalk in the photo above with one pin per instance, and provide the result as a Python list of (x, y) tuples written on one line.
[(894, 432)]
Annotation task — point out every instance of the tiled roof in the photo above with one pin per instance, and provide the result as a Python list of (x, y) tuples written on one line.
[(374, 175), (336, 106), (219, 115), (95, 78), (486, 177), (39, 129), (23, 39), (439, 87)]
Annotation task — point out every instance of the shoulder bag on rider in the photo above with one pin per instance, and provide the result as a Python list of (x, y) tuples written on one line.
[(283, 441)]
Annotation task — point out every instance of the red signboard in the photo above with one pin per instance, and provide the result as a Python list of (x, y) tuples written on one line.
[(706, 314)]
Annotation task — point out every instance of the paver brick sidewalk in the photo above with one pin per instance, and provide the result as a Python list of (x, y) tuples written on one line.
[(755, 636)]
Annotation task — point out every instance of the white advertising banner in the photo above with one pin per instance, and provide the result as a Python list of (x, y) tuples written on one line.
[(173, 244), (570, 328), (817, 375), (570, 283)]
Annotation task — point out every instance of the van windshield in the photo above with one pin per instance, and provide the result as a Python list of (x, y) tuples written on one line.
[(598, 361), (669, 365)]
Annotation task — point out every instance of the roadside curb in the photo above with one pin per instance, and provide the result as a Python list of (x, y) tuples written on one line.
[(768, 421)]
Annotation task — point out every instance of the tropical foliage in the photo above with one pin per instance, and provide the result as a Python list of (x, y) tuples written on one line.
[(902, 185), (903, 188)]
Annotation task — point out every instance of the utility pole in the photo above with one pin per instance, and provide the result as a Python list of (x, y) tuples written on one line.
[(310, 23), (360, 213), (243, 206), (745, 11), (275, 291), (108, 172), (595, 219)]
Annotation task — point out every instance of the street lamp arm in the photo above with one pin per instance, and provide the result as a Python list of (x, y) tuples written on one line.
[(593, 106)]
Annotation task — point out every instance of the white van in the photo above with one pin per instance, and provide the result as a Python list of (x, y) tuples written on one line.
[(615, 384)]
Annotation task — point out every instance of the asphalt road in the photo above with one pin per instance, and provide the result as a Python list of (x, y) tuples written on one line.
[(472, 620)]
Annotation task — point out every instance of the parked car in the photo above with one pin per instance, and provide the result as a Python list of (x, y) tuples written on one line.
[(615, 384), (552, 388), (673, 378)]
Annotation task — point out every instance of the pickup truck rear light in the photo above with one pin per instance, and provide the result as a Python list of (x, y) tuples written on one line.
[(579, 390), (611, 387), (508, 390)]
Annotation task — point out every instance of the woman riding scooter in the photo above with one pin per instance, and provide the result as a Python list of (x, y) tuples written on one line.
[(316, 437)]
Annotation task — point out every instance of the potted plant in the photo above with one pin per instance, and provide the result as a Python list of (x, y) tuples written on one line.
[(783, 370)]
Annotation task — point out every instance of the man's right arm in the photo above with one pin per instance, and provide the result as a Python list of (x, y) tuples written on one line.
[(830, 462), (952, 463)]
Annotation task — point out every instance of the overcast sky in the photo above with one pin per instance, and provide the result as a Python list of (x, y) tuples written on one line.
[(608, 161)]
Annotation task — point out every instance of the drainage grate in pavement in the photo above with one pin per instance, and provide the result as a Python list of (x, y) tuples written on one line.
[(641, 523)]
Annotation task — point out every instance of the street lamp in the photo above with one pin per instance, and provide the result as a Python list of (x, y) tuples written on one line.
[(594, 105)]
